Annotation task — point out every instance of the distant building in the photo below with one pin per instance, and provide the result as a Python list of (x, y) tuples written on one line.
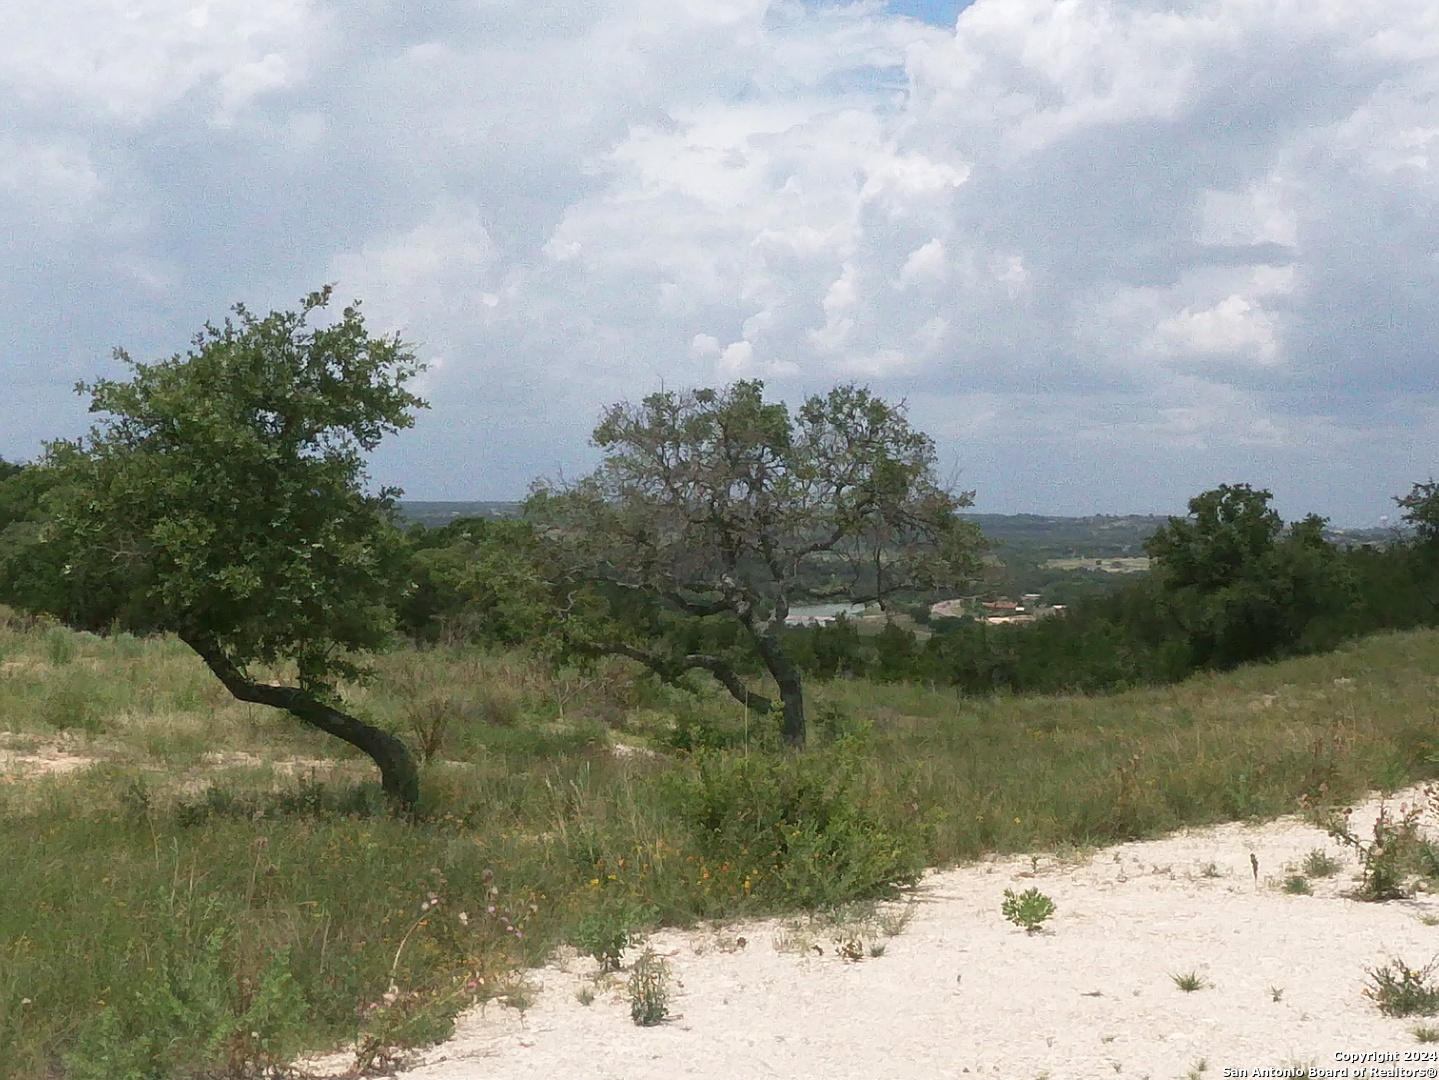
[(821, 614)]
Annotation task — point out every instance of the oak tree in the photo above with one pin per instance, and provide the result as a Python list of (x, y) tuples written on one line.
[(719, 505), (222, 497)]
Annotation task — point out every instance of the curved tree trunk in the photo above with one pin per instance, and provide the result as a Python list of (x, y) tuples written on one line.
[(791, 688), (399, 775), (670, 668)]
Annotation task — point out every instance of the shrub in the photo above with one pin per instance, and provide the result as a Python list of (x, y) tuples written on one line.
[(606, 932), (1400, 990), (1028, 909), (811, 829), (217, 1003)]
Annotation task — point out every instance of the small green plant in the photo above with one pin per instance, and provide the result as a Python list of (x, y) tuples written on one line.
[(649, 988), (1276, 993), (1197, 1070), (1028, 909), (1427, 1033), (1210, 870), (585, 995), (1297, 885), (607, 932), (1189, 981), (1400, 990), (1319, 863)]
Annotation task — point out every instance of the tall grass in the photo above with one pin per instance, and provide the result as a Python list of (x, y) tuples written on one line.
[(224, 890)]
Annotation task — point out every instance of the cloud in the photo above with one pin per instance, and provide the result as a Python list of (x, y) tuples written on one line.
[(1146, 245)]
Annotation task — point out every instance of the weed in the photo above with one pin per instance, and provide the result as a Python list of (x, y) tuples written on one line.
[(585, 995), (59, 646), (1429, 919), (607, 931), (1276, 993), (1210, 870), (1395, 852), (849, 944), (893, 921), (649, 989), (1028, 909), (1400, 990), (1320, 864), (1426, 1033), (1197, 1070), (1297, 885), (1189, 981)]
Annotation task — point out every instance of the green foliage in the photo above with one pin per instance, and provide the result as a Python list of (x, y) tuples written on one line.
[(715, 504), (606, 931), (1400, 990), (223, 495), (1242, 587), (1421, 511), (1027, 910), (811, 829), (649, 989), (223, 499), (1396, 851), (197, 1002), (479, 581)]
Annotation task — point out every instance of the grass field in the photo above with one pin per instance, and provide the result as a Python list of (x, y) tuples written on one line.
[(211, 888)]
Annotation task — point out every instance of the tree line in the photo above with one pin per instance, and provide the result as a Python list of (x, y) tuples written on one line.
[(222, 496)]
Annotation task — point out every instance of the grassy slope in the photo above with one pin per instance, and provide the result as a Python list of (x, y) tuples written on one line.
[(167, 897)]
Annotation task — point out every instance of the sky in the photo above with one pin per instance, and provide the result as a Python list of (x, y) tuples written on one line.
[(1111, 253)]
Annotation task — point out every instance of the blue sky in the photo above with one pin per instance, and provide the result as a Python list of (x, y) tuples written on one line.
[(1111, 252)]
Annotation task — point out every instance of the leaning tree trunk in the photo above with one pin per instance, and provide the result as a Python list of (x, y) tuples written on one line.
[(791, 688), (399, 775)]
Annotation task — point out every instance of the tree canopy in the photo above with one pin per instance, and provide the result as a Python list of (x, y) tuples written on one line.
[(1242, 586), (222, 497), (718, 504)]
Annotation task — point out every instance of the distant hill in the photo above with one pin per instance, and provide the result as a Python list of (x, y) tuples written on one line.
[(1030, 536), (1043, 536)]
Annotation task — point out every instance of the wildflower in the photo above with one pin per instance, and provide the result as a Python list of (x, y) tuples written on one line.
[(490, 910), (464, 918)]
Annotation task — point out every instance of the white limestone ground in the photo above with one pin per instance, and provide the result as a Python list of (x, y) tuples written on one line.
[(963, 992)]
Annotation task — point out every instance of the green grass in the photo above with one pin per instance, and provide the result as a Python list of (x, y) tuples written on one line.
[(223, 870)]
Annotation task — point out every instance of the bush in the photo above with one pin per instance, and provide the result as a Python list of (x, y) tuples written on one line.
[(606, 932), (1399, 990), (809, 829)]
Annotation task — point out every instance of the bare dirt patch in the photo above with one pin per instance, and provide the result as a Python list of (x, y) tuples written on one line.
[(25, 756)]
